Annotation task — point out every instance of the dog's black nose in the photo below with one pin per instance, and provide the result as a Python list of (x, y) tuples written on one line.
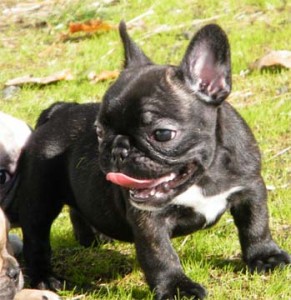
[(120, 149)]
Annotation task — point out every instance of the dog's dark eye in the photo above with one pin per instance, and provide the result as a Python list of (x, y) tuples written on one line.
[(4, 176), (164, 135)]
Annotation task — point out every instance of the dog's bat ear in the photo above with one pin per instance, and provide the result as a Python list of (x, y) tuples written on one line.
[(134, 56), (206, 65)]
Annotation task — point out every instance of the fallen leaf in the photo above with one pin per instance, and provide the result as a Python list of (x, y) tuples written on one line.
[(90, 26), (274, 59), (29, 79), (103, 76)]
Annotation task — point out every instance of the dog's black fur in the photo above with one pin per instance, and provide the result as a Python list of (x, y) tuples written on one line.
[(154, 120)]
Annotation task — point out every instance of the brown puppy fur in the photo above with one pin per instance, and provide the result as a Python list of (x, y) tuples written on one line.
[(11, 278)]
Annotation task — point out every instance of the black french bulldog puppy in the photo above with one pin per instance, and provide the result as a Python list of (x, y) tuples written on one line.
[(165, 157)]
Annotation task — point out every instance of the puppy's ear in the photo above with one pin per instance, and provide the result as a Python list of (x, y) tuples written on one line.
[(206, 65), (134, 56)]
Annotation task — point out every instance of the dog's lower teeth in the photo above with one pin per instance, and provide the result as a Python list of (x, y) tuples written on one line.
[(166, 187), (142, 194)]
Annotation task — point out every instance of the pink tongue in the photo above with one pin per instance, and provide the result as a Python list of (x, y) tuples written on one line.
[(129, 182)]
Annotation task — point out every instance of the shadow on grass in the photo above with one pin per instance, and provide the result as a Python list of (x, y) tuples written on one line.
[(135, 293), (206, 261), (86, 269), (235, 265)]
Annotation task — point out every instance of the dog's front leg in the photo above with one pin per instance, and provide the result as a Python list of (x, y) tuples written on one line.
[(159, 260), (37, 254), (36, 217), (250, 214)]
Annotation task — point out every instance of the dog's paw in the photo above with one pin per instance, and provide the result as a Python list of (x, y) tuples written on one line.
[(180, 287), (49, 283), (267, 263)]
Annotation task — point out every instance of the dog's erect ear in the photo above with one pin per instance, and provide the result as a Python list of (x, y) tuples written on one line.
[(206, 65), (134, 56)]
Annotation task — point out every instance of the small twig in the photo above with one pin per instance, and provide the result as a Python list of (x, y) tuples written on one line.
[(147, 13), (286, 95), (109, 52), (280, 153), (184, 242), (201, 21), (167, 28), (161, 29)]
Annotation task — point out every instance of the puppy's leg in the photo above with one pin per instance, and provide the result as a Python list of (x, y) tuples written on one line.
[(250, 214), (37, 251), (159, 260), (38, 207), (85, 234), (82, 230)]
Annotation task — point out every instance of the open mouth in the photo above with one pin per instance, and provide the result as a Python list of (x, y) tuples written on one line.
[(149, 190)]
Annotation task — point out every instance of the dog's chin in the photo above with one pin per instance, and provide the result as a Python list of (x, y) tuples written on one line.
[(161, 195)]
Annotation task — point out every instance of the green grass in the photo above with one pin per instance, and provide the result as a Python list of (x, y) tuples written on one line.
[(211, 257)]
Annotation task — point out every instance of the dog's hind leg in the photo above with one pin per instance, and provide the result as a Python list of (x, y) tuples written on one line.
[(85, 234)]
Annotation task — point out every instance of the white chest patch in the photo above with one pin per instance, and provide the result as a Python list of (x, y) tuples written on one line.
[(209, 206)]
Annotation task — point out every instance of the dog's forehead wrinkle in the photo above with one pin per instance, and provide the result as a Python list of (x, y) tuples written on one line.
[(146, 89), (145, 84), (153, 115), (147, 118), (147, 106)]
